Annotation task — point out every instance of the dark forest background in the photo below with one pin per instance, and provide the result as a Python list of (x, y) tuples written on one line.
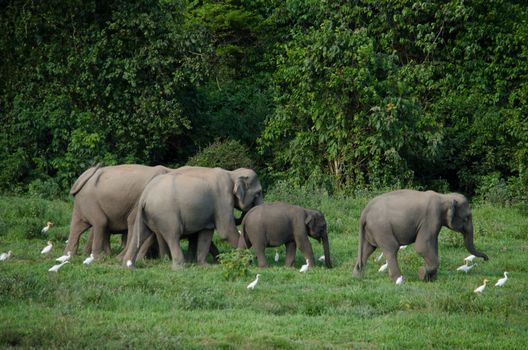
[(345, 95)]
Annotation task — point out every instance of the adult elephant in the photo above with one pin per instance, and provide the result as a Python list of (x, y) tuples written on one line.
[(193, 201), (273, 224), (406, 216), (105, 199)]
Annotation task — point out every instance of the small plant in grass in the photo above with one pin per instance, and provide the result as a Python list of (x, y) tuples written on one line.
[(235, 263)]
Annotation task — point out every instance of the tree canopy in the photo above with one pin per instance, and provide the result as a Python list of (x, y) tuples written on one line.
[(367, 93)]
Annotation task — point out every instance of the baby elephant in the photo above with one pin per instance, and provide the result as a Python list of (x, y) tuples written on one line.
[(273, 224), (406, 216)]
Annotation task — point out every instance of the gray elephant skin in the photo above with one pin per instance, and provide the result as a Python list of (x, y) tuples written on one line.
[(274, 224), (105, 199), (407, 216), (193, 201)]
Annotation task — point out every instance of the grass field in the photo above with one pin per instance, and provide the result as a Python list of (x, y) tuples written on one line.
[(107, 306)]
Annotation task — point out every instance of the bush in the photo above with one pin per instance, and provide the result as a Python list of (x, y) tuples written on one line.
[(496, 190), (229, 155), (235, 263)]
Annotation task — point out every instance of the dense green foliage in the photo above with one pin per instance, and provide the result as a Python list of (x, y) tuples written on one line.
[(106, 306), (347, 94)]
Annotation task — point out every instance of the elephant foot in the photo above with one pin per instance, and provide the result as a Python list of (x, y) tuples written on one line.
[(176, 266), (426, 276)]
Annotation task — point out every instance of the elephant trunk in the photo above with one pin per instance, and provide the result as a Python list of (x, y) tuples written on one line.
[(326, 249), (468, 243)]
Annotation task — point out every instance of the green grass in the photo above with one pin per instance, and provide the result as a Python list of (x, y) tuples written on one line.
[(107, 306)]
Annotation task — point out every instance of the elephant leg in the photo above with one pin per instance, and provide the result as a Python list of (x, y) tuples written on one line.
[(392, 260), (306, 249), (428, 249), (203, 245), (88, 246), (99, 236), (290, 253), (191, 249), (213, 250), (105, 240), (178, 259), (162, 246), (366, 250), (77, 227), (260, 252), (144, 248)]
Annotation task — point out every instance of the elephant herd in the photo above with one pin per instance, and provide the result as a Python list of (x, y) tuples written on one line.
[(154, 208)]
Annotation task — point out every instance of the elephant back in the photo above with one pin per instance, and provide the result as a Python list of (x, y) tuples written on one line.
[(81, 181)]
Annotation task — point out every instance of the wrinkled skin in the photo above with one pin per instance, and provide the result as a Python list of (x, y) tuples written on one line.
[(193, 201), (273, 224), (406, 216)]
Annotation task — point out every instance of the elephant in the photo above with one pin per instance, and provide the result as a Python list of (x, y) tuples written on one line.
[(193, 201), (273, 224), (105, 199), (406, 216)]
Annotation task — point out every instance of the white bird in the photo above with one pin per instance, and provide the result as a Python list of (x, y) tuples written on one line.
[(47, 248), (465, 268), (481, 288), (304, 268), (383, 267), (322, 258), (379, 257), (277, 256), (46, 228), (56, 268), (129, 263), (399, 280), (64, 257), (469, 258), (252, 284), (402, 247), (89, 260), (5, 256), (502, 281)]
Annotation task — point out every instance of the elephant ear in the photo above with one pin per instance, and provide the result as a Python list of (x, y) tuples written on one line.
[(239, 190), (451, 212), (309, 221)]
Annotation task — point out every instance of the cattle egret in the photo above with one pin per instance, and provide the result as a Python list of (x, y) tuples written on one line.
[(56, 268), (304, 268), (402, 247), (276, 256), (322, 258), (254, 283), (64, 257), (379, 257), (383, 267), (465, 268), (399, 280), (481, 288), (129, 263), (469, 258), (89, 260), (5, 256), (47, 248), (502, 281), (46, 228)]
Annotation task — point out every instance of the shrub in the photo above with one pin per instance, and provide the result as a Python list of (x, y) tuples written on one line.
[(235, 263), (229, 155)]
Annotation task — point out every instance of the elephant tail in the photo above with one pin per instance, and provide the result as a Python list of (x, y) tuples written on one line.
[(358, 268), (81, 181), (141, 230), (243, 240)]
